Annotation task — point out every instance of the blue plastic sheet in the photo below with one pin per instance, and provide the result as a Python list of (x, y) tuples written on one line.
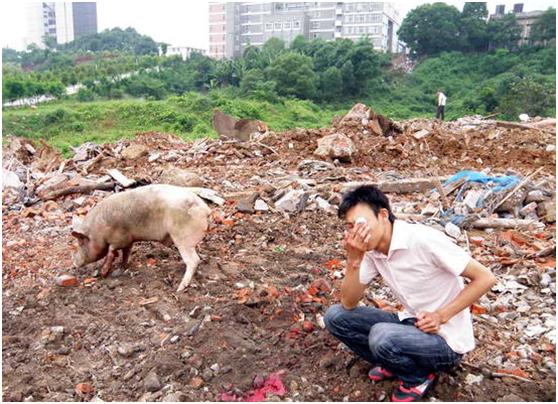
[(501, 183), (491, 184)]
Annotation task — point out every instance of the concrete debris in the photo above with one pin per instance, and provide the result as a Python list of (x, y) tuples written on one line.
[(134, 152), (261, 206), (260, 284), (336, 146), (293, 201), (180, 178), (11, 180)]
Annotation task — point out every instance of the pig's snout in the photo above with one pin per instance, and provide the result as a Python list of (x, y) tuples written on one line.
[(78, 258)]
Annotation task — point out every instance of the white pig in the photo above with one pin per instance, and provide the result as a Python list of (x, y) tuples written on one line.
[(159, 212)]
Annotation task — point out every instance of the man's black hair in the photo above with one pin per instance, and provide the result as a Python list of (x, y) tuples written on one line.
[(369, 195)]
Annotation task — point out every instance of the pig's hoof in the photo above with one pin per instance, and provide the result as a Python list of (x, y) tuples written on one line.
[(116, 273), (181, 288)]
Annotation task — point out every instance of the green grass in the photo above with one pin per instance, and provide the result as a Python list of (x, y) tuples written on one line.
[(70, 123)]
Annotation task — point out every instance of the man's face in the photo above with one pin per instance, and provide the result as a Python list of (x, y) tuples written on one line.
[(377, 224)]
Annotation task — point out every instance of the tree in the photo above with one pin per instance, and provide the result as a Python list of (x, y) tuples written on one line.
[(543, 31), (254, 85), (366, 64), (504, 32), (330, 84), (10, 56), (294, 75), (473, 27), (299, 44), (252, 57), (164, 48), (13, 89), (271, 50), (531, 95), (349, 83), (432, 28)]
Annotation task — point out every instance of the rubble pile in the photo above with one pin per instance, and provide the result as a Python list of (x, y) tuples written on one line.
[(251, 323)]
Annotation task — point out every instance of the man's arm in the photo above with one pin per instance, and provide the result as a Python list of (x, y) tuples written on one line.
[(351, 288), (481, 281), (355, 242)]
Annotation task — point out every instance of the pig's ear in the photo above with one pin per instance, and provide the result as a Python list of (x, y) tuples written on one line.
[(79, 236), (78, 229)]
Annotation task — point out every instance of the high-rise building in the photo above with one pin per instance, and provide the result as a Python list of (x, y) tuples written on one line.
[(40, 23), (235, 25), (63, 22)]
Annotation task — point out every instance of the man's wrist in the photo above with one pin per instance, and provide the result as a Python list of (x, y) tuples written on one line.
[(353, 264), (444, 317)]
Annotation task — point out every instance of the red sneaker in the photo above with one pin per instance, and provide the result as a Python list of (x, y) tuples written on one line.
[(378, 374), (408, 394)]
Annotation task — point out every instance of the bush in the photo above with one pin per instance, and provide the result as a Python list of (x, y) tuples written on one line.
[(56, 116), (85, 95)]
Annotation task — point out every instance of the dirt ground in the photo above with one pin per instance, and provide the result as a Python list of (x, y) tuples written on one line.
[(255, 305)]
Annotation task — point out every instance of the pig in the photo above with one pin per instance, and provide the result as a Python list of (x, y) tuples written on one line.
[(164, 213)]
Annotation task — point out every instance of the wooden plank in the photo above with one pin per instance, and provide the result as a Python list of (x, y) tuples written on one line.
[(120, 178)]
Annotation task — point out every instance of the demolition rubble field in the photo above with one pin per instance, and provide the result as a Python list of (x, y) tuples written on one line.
[(250, 326)]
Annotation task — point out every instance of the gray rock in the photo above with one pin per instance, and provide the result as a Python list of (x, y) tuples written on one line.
[(152, 383), (126, 350), (177, 396), (536, 196), (246, 205), (309, 167), (293, 201), (207, 374), (528, 209)]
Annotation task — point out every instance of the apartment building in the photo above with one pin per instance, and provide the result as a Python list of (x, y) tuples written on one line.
[(63, 21), (525, 19), (234, 25)]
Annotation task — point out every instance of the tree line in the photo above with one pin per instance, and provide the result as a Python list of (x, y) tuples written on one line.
[(431, 29), (477, 79)]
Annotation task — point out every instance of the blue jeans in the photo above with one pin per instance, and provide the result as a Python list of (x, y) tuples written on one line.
[(398, 346)]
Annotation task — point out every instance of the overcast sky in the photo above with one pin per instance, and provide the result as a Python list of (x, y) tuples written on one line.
[(182, 23)]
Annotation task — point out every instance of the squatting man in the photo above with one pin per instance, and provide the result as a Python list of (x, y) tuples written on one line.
[(425, 270)]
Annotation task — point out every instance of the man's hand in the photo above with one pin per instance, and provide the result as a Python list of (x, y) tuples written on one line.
[(355, 241), (429, 322)]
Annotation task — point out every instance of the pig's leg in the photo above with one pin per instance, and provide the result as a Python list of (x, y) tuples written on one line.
[(126, 255), (192, 260), (107, 266)]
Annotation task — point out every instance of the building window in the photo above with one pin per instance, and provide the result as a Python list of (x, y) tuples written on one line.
[(296, 24), (287, 25), (269, 26), (277, 26), (315, 24)]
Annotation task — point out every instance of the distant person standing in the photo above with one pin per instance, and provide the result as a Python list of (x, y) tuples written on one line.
[(441, 105)]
